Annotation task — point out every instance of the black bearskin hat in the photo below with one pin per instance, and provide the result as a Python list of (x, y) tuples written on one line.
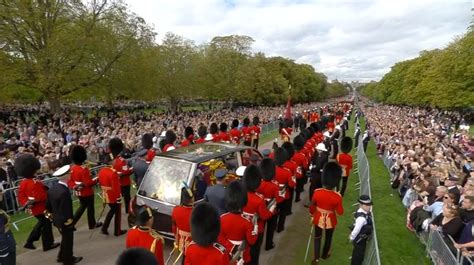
[(188, 131), (223, 127), (78, 154), (202, 131), (170, 137), (213, 129), (280, 156), (289, 148), (252, 178), (205, 224), (187, 196), (26, 165), (288, 123), (267, 166), (315, 127), (256, 120), (346, 144), (235, 197), (136, 256), (115, 146), (246, 121), (144, 214), (235, 123), (298, 142), (332, 173), (147, 141)]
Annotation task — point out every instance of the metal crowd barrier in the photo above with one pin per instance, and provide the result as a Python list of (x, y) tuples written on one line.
[(269, 127), (11, 195), (437, 247), (372, 253)]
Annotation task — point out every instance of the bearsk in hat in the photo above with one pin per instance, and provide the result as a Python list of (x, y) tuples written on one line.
[(332, 173), (205, 224), (26, 165)]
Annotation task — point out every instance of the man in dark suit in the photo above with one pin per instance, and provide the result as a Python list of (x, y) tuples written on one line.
[(59, 203)]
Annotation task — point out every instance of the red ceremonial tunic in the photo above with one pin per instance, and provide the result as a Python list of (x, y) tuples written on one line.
[(236, 228), (224, 136), (286, 134), (256, 205), (293, 167), (33, 189), (110, 184), (301, 160), (200, 140), (345, 161), (215, 254), (121, 167), (181, 217), (185, 143), (331, 126), (216, 138), (147, 238), (270, 190), (81, 175), (150, 154), (168, 147), (235, 134), (256, 131), (284, 178), (246, 131), (324, 206)]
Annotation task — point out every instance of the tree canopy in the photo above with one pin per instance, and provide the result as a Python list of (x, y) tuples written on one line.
[(67, 49), (441, 78)]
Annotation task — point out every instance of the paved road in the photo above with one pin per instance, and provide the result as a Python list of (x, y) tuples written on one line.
[(103, 250)]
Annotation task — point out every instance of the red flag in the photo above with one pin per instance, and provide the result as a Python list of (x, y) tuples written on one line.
[(288, 109)]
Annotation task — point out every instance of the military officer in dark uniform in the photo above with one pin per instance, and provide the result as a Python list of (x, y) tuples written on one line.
[(215, 195), (59, 203), (7, 242)]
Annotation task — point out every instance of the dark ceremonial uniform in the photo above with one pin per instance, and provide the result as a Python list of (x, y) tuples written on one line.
[(59, 203), (147, 238)]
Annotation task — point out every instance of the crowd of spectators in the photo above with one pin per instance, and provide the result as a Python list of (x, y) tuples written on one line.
[(430, 155)]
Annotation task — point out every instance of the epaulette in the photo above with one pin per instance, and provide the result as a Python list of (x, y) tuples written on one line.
[(219, 247), (156, 235)]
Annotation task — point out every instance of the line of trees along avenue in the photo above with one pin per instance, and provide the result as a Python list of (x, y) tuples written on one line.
[(56, 50), (441, 78)]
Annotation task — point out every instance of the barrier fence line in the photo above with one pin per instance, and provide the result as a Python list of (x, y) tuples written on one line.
[(372, 253), (436, 243)]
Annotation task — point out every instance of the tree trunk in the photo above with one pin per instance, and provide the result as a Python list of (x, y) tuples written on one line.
[(54, 105), (174, 103)]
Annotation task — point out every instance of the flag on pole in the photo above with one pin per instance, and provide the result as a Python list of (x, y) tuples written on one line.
[(288, 105)]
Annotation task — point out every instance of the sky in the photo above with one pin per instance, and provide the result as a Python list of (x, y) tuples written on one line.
[(347, 40)]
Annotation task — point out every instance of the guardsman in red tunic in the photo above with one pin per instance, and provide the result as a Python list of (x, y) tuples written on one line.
[(293, 167), (188, 137), (120, 165), (271, 192), (286, 131), (180, 218), (205, 229), (246, 132), (170, 138), (214, 131), (345, 161), (235, 226), (235, 133), (255, 132), (143, 236), (202, 132), (256, 208), (109, 182), (224, 135), (303, 164), (325, 204), (147, 143), (285, 180), (32, 196), (82, 184)]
